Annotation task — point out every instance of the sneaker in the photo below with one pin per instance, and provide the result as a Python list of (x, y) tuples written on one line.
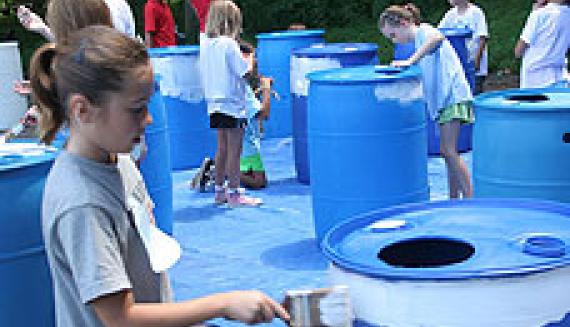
[(239, 199), (201, 178), (220, 196)]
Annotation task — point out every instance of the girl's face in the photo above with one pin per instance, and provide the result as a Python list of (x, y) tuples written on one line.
[(118, 126), (398, 34)]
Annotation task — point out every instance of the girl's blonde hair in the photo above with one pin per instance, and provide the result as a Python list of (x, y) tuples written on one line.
[(66, 16), (93, 62), (395, 15), (224, 19)]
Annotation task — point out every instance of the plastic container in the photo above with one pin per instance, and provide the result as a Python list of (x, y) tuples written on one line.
[(274, 60), (191, 138), (12, 105), (521, 144), (314, 58), (26, 298), (501, 263), (367, 141), (155, 167)]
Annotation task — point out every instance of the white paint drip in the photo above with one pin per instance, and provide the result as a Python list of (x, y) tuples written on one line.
[(300, 67)]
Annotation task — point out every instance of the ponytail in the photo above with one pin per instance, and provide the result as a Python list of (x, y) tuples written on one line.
[(44, 90), (415, 11)]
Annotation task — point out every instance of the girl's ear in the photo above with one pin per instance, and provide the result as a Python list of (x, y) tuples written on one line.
[(80, 109)]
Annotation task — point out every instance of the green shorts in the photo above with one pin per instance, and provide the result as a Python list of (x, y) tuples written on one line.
[(252, 163), (462, 111)]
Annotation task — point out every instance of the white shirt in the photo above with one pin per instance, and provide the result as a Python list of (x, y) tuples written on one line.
[(547, 35), (474, 19), (222, 68), (122, 16), (443, 78)]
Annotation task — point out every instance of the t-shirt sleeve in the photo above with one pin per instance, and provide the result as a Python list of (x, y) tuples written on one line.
[(235, 60), (149, 18), (528, 31), (481, 29), (90, 245)]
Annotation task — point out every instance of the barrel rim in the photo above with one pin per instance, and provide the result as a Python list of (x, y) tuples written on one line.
[(328, 49), (46, 157), (335, 235), (491, 100), (285, 34), (364, 74), (176, 50)]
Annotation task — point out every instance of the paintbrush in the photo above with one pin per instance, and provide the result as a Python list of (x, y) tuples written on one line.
[(326, 307)]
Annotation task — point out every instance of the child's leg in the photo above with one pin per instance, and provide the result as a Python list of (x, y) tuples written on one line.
[(235, 139), (458, 174), (221, 156)]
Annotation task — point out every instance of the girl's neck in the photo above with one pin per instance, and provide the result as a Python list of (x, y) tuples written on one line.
[(87, 150), (462, 8)]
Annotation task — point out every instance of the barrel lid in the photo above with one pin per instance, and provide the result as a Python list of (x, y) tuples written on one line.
[(364, 74), (320, 50), (179, 50), (20, 155), (525, 100), (290, 34), (458, 32), (491, 237)]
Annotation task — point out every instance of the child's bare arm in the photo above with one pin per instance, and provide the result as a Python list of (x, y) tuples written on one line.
[(432, 43), (520, 48), (120, 310)]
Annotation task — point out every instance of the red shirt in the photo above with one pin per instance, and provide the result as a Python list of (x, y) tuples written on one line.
[(158, 20), (202, 7)]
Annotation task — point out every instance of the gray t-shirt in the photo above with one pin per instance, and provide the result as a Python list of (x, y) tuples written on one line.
[(92, 245)]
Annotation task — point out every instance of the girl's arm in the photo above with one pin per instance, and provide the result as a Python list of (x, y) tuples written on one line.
[(265, 85), (120, 310), (433, 42), (480, 51), (520, 48)]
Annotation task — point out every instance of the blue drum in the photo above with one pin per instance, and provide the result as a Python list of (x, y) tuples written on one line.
[(26, 298), (191, 138), (274, 60), (155, 167), (314, 58), (367, 141), (403, 51), (522, 144), (491, 262)]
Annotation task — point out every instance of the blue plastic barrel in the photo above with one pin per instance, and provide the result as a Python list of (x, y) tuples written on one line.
[(274, 60), (403, 51), (367, 141), (191, 138), (155, 168), (314, 58), (485, 262), (26, 296), (521, 144)]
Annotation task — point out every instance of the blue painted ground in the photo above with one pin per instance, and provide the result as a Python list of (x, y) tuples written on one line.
[(270, 248)]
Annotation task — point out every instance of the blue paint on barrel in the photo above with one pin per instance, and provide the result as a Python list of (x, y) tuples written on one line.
[(456, 263), (522, 144), (155, 167), (314, 58), (274, 60), (24, 270), (191, 138), (367, 141)]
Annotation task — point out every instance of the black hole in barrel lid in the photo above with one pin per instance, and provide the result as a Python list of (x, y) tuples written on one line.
[(528, 97), (566, 137), (426, 252), (388, 70)]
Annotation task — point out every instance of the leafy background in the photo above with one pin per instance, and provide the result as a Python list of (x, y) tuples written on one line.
[(344, 21)]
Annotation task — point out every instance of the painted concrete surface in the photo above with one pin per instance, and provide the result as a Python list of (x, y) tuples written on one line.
[(271, 248)]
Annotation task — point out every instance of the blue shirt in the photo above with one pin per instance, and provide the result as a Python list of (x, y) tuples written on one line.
[(251, 134)]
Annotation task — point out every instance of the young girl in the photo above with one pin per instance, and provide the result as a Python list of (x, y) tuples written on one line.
[(99, 81), (446, 89), (544, 44), (223, 69), (465, 14)]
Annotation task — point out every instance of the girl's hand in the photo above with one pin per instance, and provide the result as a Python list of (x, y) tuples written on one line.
[(265, 83), (401, 63), (22, 87), (252, 307), (30, 20)]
